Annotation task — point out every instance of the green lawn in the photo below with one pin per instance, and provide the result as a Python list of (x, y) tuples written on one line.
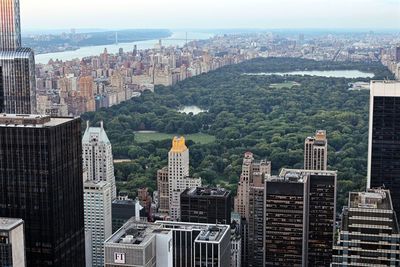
[(283, 85), (199, 138)]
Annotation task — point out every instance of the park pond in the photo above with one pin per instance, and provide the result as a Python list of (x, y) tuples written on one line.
[(349, 74)]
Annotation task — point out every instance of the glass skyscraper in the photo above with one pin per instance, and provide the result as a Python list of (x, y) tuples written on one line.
[(17, 64), (41, 183), (384, 138)]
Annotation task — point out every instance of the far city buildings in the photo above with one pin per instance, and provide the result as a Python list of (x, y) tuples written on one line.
[(316, 152), (17, 64), (12, 243), (165, 244), (97, 156), (41, 183), (177, 179), (369, 232), (384, 138), (206, 205)]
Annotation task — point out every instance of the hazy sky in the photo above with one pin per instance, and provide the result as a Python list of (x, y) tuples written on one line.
[(66, 14)]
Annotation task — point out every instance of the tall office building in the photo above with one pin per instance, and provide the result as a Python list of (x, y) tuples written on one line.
[(206, 205), (178, 175), (17, 64), (316, 152), (255, 238), (12, 243), (369, 232), (249, 167), (384, 138), (123, 209), (98, 223), (97, 156), (195, 244), (164, 244), (286, 221), (41, 183), (300, 208), (10, 31)]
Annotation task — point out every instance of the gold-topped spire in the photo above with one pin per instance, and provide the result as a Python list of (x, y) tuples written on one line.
[(178, 144)]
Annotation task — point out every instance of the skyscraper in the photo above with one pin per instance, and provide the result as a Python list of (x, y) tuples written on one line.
[(12, 243), (178, 175), (10, 30), (98, 223), (249, 167), (41, 183), (384, 138), (97, 156), (369, 232), (17, 64), (316, 152), (163, 189), (206, 205), (300, 208)]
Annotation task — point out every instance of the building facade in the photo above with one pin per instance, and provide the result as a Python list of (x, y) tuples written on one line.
[(316, 152), (369, 232), (97, 156), (98, 222), (384, 140), (41, 183), (249, 167), (206, 205), (17, 64), (163, 190), (178, 175), (12, 243)]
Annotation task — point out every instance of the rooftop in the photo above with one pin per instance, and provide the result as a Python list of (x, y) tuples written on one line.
[(135, 234), (208, 232), (372, 199), (94, 134), (7, 224), (207, 191), (26, 120)]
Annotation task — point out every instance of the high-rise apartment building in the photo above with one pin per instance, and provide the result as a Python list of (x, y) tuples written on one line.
[(206, 205), (41, 183), (98, 222), (178, 175), (300, 208), (249, 167), (316, 152), (97, 156), (369, 232), (12, 243), (384, 138), (17, 64)]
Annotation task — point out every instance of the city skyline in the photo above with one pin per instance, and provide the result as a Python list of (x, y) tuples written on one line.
[(258, 14)]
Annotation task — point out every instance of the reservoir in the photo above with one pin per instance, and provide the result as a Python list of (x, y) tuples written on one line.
[(349, 74)]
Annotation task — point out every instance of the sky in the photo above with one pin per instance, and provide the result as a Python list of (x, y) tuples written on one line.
[(210, 14)]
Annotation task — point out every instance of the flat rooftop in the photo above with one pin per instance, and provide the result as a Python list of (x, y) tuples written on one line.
[(284, 172), (135, 233), (372, 199), (7, 224), (208, 232), (206, 191), (29, 120)]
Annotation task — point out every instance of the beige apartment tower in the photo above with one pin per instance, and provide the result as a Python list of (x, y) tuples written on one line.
[(316, 152)]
